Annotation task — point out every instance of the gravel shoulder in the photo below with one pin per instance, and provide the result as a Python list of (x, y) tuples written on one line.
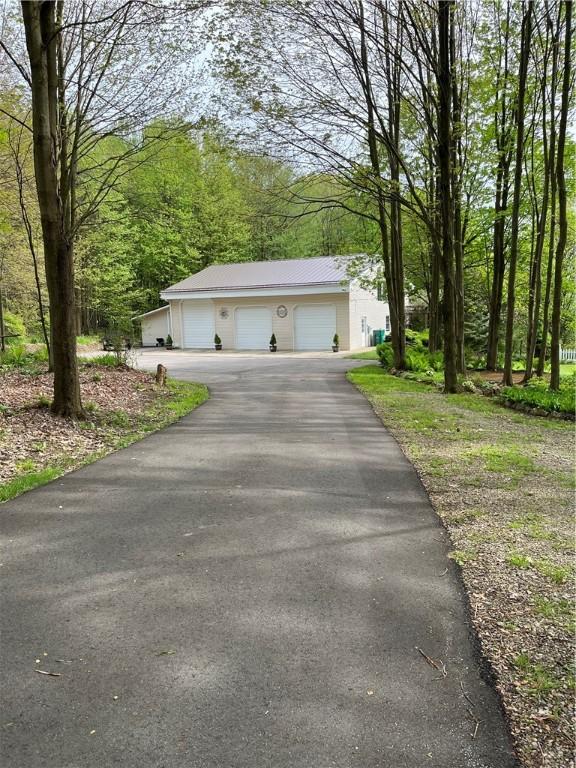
[(503, 484)]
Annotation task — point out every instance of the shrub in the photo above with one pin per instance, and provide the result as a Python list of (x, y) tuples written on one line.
[(41, 355), (84, 340), (537, 395), (109, 359), (418, 358), (411, 336), (475, 360), (169, 341), (417, 338), (18, 357), (336, 340), (14, 324), (273, 340), (15, 356), (385, 354), (217, 339), (436, 360)]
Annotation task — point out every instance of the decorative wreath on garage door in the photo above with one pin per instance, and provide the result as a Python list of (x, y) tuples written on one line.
[(224, 313), (281, 311)]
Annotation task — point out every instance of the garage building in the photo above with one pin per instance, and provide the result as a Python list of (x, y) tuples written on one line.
[(303, 302)]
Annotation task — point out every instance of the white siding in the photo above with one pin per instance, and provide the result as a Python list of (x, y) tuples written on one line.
[(253, 327), (282, 324), (364, 304), (154, 326)]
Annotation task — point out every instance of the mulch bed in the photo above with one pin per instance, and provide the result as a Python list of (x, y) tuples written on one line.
[(496, 376), (32, 438)]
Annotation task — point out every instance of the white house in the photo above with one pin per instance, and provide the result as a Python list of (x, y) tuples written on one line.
[(303, 302)]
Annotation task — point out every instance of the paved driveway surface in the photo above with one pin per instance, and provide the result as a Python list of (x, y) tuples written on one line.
[(251, 584)]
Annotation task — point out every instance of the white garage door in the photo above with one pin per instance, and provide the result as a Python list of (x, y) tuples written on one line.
[(314, 326), (253, 327), (198, 324)]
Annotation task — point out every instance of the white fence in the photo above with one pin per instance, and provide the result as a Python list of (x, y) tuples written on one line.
[(568, 355)]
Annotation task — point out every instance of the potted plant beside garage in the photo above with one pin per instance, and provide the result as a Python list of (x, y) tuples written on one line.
[(217, 342), (335, 343), (273, 345), (169, 343)]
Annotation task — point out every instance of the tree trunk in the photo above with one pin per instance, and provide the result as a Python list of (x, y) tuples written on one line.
[(457, 200), (562, 203), (434, 340), (435, 336), (499, 260), (549, 267), (394, 98), (31, 246), (2, 327), (395, 302), (41, 42), (515, 218), (501, 129), (552, 176), (536, 271), (444, 78), (41, 311)]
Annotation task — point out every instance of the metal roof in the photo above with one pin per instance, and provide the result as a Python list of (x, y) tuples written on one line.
[(152, 312), (266, 274)]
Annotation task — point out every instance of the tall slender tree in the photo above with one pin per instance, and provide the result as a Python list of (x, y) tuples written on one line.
[(562, 200), (540, 211), (502, 134), (515, 214), (444, 82), (553, 26), (42, 40)]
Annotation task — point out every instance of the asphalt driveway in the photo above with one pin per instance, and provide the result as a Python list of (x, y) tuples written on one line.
[(247, 588)]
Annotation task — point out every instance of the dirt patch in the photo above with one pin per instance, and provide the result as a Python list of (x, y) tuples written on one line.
[(496, 376)]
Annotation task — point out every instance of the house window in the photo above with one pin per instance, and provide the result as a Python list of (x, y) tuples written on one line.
[(380, 293), (387, 324)]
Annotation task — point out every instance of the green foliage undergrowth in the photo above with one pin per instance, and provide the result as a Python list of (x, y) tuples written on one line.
[(537, 395), (418, 357), (17, 357)]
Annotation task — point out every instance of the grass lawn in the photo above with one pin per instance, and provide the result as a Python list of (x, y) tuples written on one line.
[(370, 354), (123, 405), (88, 341), (503, 484), (566, 369)]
